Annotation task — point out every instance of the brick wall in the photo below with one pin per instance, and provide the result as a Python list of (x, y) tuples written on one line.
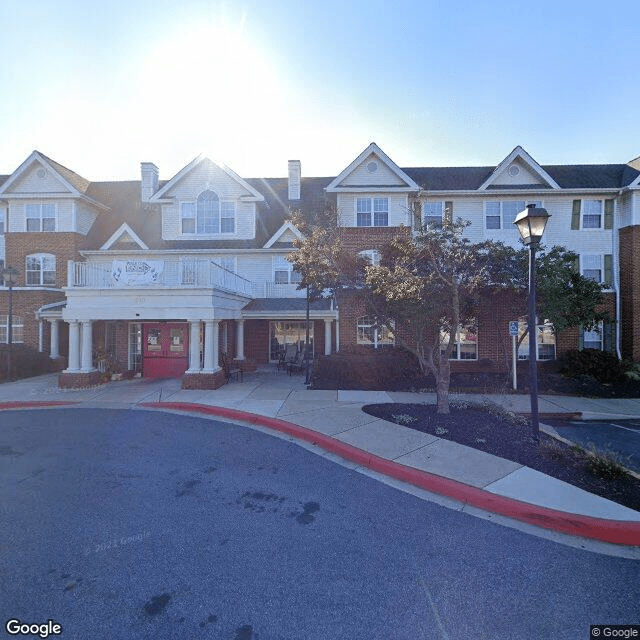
[(355, 239), (630, 292), (65, 246)]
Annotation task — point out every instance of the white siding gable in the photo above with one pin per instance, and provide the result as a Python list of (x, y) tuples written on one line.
[(372, 171), (38, 179), (208, 176), (517, 173)]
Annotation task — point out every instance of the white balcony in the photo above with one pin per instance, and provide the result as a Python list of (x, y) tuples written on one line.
[(276, 290), (200, 273)]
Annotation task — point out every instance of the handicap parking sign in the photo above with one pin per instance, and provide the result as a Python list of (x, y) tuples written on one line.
[(513, 328)]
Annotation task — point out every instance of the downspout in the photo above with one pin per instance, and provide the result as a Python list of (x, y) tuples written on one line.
[(615, 249)]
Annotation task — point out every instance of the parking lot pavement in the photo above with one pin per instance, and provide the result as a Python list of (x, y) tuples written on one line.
[(620, 438)]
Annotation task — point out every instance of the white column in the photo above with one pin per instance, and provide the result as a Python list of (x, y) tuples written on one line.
[(211, 337), (240, 339), (337, 336), (87, 347), (194, 347), (327, 337), (55, 339), (40, 336), (74, 346)]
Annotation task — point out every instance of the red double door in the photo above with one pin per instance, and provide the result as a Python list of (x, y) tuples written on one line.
[(165, 349)]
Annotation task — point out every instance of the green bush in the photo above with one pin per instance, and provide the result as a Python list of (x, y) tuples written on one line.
[(602, 366), (25, 362), (365, 368)]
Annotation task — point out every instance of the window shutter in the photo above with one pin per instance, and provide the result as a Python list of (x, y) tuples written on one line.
[(580, 337), (448, 211), (607, 337), (576, 264), (575, 215), (608, 214), (608, 270)]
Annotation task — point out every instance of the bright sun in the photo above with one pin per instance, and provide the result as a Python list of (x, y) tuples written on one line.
[(211, 86)]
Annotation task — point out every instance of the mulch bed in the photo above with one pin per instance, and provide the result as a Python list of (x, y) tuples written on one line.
[(509, 436)]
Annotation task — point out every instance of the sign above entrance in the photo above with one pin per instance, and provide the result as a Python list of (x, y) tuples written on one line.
[(132, 273)]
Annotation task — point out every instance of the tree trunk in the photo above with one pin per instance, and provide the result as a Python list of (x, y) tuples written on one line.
[(443, 380)]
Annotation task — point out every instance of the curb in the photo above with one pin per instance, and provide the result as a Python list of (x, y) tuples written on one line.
[(35, 404), (614, 531)]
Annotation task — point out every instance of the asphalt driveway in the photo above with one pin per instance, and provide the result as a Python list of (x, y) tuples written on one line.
[(140, 524)]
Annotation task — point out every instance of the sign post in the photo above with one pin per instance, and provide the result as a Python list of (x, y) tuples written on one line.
[(513, 332)]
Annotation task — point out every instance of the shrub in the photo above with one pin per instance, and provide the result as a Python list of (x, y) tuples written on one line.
[(602, 366), (389, 368), (25, 362)]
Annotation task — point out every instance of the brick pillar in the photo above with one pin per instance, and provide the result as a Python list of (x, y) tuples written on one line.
[(630, 292)]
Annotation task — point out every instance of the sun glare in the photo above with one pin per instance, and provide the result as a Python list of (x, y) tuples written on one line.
[(212, 88)]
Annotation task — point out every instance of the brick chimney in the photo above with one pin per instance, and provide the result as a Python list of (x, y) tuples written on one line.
[(149, 180), (295, 169)]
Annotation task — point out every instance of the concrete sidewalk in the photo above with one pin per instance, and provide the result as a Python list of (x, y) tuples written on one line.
[(336, 416)]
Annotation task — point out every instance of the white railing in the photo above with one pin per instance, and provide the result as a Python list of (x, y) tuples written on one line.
[(275, 290), (196, 273)]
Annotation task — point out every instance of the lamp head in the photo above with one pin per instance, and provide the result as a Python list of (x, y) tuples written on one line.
[(10, 275), (531, 224)]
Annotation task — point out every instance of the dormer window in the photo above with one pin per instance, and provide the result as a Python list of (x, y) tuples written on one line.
[(208, 215)]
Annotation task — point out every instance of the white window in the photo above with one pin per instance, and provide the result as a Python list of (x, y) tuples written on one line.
[(546, 341), (466, 343), (17, 329), (372, 212), (373, 256), (592, 214), (41, 217), (501, 214), (593, 339), (208, 215), (283, 271), (3, 215), (373, 334), (432, 213), (41, 269), (591, 267)]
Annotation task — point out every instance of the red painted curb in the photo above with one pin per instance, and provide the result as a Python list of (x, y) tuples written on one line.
[(615, 531), (26, 404)]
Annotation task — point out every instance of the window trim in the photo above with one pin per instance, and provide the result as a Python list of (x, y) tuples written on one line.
[(583, 214), (606, 268), (40, 257), (224, 206), (456, 353), (500, 203), (540, 331), (40, 218), (17, 329), (436, 222), (598, 330), (371, 211), (378, 340)]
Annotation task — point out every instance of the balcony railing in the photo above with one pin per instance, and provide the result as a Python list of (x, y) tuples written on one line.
[(276, 290), (196, 273)]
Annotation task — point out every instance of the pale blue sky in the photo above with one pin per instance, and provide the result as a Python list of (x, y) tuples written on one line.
[(101, 87)]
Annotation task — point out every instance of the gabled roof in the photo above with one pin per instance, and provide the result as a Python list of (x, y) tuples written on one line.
[(373, 149), (76, 184), (124, 231), (282, 231), (520, 154), (255, 195)]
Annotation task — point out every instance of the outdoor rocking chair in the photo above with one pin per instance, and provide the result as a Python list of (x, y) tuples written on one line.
[(230, 371)]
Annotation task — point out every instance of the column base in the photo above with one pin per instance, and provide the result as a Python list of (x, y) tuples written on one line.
[(79, 379), (203, 380)]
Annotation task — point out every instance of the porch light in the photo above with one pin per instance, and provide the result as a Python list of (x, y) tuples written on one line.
[(531, 224)]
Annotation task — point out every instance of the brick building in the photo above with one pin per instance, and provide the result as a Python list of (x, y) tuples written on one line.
[(160, 276)]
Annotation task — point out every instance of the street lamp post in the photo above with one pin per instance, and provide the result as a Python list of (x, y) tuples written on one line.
[(10, 275), (531, 224)]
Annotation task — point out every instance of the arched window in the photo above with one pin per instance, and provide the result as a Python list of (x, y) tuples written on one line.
[(373, 334), (208, 212), (372, 255), (41, 269)]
